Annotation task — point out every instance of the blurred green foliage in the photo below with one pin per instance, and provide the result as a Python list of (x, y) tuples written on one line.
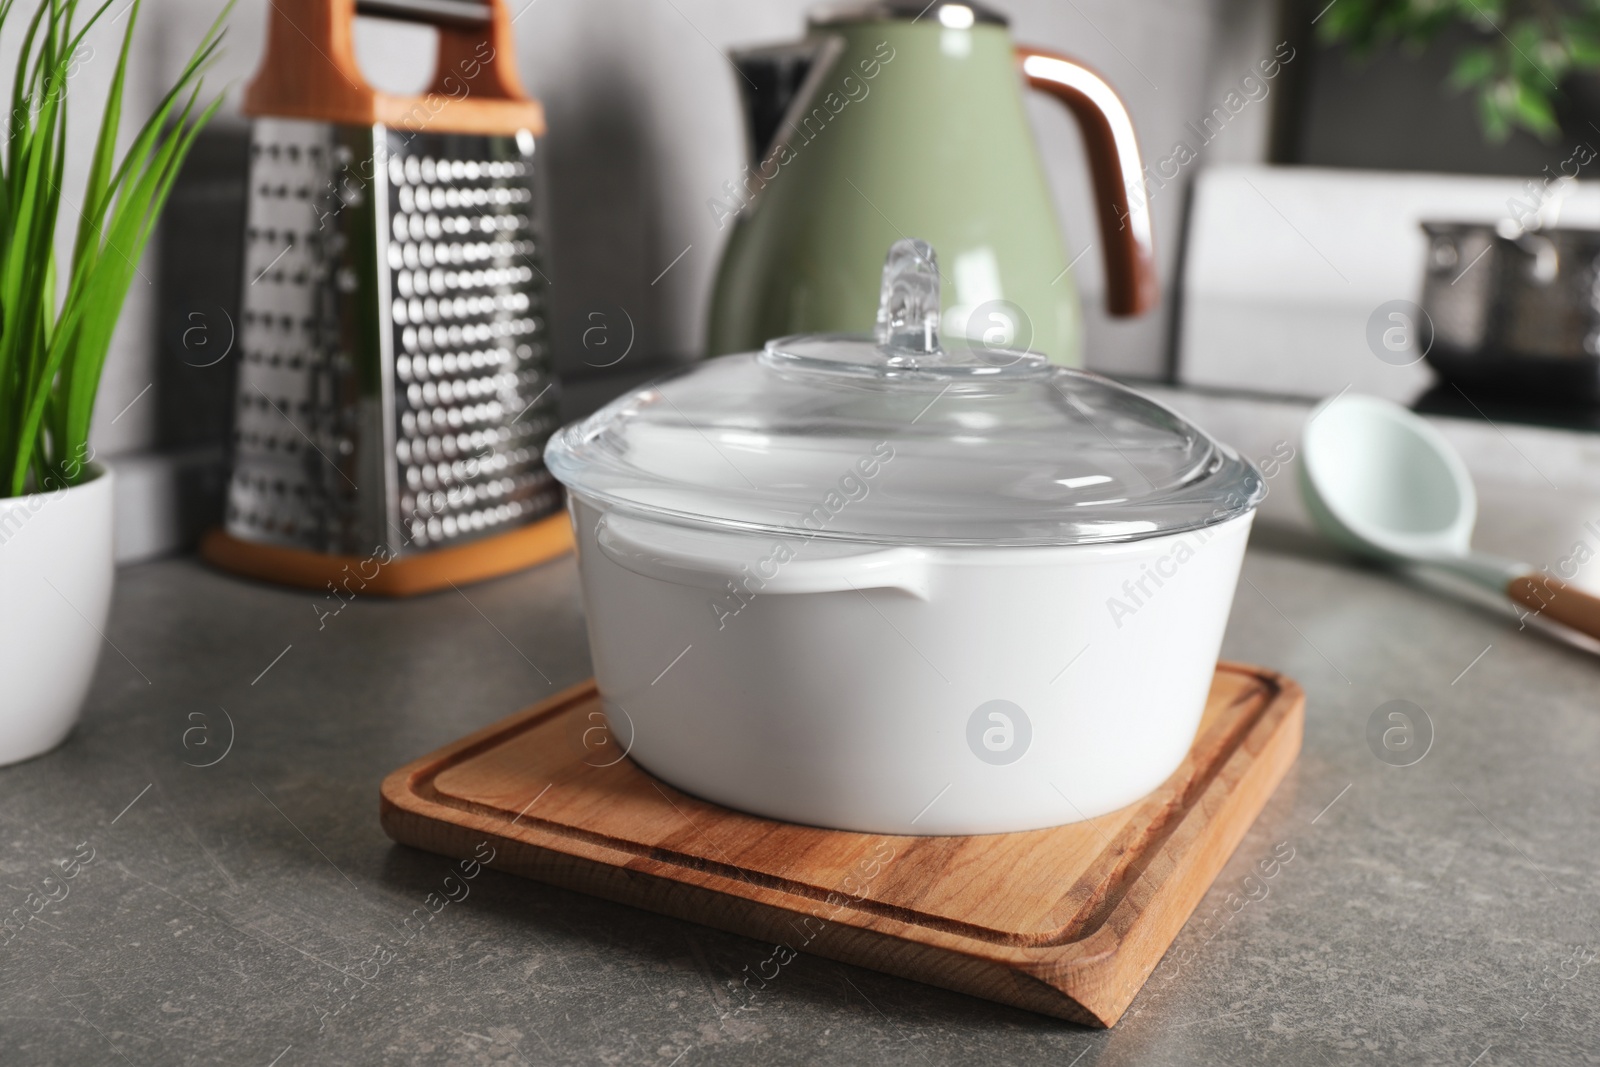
[(1520, 50)]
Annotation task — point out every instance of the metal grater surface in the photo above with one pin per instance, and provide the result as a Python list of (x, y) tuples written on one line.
[(396, 388)]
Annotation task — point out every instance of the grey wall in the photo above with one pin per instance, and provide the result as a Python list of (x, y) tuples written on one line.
[(643, 128)]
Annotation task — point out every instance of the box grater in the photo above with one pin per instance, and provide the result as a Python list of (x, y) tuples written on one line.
[(396, 389)]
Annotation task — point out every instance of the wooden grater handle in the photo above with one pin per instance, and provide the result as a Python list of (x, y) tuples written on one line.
[(310, 71), (1555, 599)]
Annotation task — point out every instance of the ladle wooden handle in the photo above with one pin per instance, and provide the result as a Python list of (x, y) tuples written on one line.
[(1552, 598)]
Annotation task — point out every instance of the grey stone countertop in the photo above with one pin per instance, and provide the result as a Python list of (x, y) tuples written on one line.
[(1446, 912)]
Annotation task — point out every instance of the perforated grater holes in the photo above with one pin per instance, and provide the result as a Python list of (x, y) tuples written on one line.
[(464, 272), (395, 375)]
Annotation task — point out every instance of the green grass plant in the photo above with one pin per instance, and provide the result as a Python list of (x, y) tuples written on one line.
[(55, 326)]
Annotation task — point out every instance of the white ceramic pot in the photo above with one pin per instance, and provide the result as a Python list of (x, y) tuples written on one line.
[(56, 571), (900, 586), (945, 690)]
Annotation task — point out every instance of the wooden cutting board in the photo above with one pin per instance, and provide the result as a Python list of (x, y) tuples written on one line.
[(1068, 921)]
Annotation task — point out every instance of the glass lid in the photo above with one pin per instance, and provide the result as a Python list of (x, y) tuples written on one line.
[(902, 439)]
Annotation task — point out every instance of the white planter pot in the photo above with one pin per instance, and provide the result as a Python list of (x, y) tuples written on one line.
[(55, 584), (904, 690)]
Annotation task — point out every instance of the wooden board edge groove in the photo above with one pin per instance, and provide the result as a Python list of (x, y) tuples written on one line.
[(1091, 980), (861, 947), (1126, 855)]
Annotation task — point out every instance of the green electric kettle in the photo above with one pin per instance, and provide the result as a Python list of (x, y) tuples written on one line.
[(905, 118)]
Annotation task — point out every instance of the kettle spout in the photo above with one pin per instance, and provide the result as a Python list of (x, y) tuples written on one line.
[(776, 79)]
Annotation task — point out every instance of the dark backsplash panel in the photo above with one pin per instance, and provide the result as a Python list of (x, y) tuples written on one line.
[(201, 251)]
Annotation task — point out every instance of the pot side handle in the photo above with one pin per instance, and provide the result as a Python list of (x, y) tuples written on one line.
[(756, 564), (1120, 198)]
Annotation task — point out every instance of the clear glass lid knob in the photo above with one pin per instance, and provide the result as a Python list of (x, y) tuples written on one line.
[(908, 300), (905, 343)]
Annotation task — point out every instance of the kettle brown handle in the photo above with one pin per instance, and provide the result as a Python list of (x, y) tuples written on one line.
[(1125, 232), (310, 71), (1555, 599)]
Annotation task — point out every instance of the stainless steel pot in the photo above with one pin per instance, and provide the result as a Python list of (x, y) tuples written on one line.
[(1514, 315)]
